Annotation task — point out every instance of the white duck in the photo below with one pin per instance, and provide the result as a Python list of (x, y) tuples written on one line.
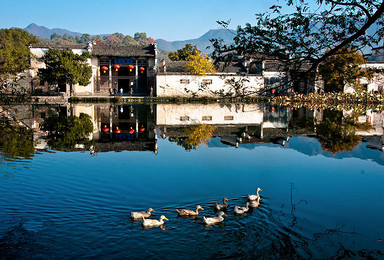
[(221, 206), (141, 214), (188, 212), (214, 220), (153, 222), (254, 203), (254, 197), (241, 209)]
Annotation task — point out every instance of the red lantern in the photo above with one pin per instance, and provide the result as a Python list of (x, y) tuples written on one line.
[(117, 130), (141, 69), (130, 67), (131, 131), (116, 67), (104, 69), (142, 129), (105, 129)]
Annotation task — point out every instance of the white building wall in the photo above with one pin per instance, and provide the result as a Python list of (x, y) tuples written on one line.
[(173, 85)]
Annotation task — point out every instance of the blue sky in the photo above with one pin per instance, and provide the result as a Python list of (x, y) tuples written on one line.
[(166, 19)]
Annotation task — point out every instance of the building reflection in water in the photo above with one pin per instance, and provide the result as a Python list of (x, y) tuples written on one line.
[(119, 127), (237, 123), (122, 127)]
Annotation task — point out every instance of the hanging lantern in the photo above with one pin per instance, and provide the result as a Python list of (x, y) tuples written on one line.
[(142, 129), (131, 130), (104, 69), (130, 67), (116, 67), (105, 129), (141, 69), (117, 130)]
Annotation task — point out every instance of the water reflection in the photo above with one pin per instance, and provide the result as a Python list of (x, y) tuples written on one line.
[(134, 127)]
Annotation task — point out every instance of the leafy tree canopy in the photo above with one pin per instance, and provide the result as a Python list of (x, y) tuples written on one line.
[(343, 68), (113, 39), (184, 53), (199, 64), (305, 34), (65, 132), (66, 67), (14, 52)]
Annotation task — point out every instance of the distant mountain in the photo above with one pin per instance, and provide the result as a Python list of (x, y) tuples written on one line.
[(44, 32), (202, 42)]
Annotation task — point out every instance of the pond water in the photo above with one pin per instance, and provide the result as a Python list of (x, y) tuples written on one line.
[(317, 200)]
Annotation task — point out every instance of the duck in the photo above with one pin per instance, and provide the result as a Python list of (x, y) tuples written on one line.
[(254, 203), (241, 209), (188, 212), (221, 206), (139, 215), (254, 197), (214, 220), (153, 222)]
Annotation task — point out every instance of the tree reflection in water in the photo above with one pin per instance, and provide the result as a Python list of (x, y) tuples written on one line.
[(194, 136), (337, 133), (65, 132), (15, 140)]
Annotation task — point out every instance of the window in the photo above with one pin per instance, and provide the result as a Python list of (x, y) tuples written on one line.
[(207, 118), (206, 81), (228, 117), (184, 81), (184, 118)]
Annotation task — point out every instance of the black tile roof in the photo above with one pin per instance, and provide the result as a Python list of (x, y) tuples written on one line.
[(107, 50), (60, 47), (123, 50)]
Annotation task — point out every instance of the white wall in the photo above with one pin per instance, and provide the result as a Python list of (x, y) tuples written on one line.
[(169, 84)]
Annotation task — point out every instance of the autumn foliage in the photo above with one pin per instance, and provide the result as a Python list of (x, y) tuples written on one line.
[(199, 64), (343, 68)]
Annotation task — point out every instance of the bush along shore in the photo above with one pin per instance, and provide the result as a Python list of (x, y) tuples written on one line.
[(332, 100)]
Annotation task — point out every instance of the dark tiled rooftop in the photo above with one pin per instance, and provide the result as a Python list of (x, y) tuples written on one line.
[(108, 50), (60, 47), (123, 51)]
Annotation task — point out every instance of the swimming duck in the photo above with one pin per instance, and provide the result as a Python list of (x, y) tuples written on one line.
[(214, 220), (153, 222), (188, 212), (139, 215), (222, 206), (254, 197), (241, 209), (254, 203)]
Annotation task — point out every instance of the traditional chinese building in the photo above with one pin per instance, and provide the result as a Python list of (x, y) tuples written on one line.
[(116, 70)]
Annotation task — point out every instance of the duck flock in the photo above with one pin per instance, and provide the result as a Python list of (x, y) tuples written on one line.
[(253, 202)]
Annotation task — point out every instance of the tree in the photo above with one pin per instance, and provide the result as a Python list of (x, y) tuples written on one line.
[(199, 64), (343, 68), (304, 35), (66, 67), (65, 132), (184, 53), (14, 53), (141, 38)]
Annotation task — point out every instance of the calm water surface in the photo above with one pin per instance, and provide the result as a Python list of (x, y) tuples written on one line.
[(315, 204)]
